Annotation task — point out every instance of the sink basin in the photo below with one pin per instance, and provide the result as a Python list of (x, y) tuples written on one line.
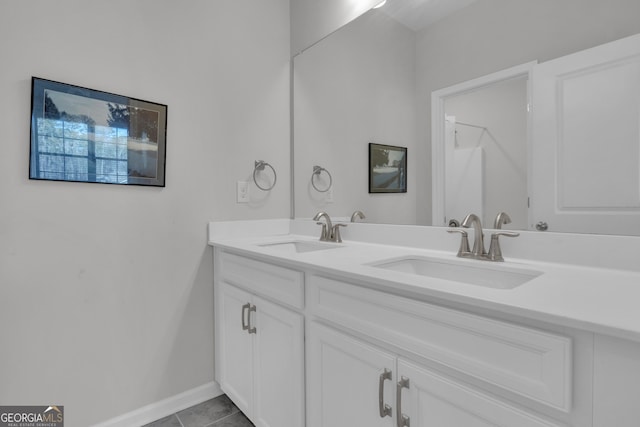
[(488, 274), (298, 246)]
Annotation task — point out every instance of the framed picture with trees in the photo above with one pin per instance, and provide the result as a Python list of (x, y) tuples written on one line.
[(86, 135), (387, 169)]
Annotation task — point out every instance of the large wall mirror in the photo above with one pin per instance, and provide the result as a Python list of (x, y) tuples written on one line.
[(372, 82)]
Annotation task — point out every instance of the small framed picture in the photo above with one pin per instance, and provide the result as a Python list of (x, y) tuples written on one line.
[(85, 135), (387, 169)]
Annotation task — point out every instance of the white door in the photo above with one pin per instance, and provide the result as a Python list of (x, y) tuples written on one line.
[(431, 400), (344, 379), (234, 345), (586, 140), (278, 366)]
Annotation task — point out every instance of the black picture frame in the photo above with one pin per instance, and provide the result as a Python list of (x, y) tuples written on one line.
[(387, 168), (86, 135)]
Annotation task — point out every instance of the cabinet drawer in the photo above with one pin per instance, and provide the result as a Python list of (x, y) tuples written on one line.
[(274, 282), (532, 363), (453, 404)]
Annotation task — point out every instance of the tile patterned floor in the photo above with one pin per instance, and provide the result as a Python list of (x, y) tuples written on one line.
[(218, 412)]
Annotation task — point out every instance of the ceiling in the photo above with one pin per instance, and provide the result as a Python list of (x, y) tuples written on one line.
[(419, 14)]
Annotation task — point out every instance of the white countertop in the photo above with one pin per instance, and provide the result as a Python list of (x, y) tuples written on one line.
[(595, 299)]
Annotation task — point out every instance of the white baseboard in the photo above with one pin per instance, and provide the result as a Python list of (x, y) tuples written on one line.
[(165, 407)]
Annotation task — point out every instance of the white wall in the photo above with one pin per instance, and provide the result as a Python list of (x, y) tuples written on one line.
[(492, 35), (501, 112), (353, 88), (106, 291)]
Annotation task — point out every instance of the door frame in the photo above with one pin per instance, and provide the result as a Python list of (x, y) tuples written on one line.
[(438, 133)]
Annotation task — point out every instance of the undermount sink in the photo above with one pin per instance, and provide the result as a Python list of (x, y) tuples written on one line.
[(299, 246), (488, 274)]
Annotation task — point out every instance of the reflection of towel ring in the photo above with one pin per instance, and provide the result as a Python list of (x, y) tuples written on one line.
[(259, 166), (317, 170)]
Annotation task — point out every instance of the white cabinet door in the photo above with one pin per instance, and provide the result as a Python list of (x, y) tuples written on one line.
[(616, 382), (431, 400), (344, 379), (343, 389), (586, 140), (234, 346), (260, 357), (278, 366)]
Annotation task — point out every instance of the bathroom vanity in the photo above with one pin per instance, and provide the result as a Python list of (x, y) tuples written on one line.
[(365, 333)]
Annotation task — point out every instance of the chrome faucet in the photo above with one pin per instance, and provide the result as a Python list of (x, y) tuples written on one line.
[(478, 252), (501, 219), (478, 235), (356, 215), (325, 235), (330, 232)]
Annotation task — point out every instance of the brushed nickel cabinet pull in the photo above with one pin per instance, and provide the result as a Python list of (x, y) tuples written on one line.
[(252, 330), (401, 419), (385, 410), (245, 325)]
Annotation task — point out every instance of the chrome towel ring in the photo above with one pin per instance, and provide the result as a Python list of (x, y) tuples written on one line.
[(259, 166), (317, 170)]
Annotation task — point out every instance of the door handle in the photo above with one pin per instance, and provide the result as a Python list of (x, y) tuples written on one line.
[(401, 419), (245, 325), (385, 410), (542, 226), (252, 330)]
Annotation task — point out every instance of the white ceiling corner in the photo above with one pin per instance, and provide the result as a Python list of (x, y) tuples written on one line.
[(419, 14)]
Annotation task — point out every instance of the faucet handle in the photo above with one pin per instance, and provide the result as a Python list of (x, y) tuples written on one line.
[(335, 233), (324, 236), (464, 242), (495, 253)]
